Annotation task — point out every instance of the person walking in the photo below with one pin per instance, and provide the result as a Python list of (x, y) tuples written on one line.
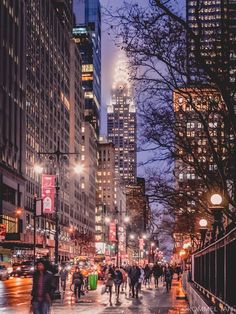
[(147, 275), (157, 272), (141, 278), (178, 271), (42, 290), (109, 281), (168, 274), (77, 281), (118, 280), (134, 276), (63, 276)]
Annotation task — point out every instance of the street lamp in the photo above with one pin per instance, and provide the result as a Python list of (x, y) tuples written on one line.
[(216, 206), (216, 199), (203, 230), (38, 168), (132, 236), (79, 168), (127, 219)]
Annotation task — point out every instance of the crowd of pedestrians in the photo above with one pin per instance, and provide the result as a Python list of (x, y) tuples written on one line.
[(128, 279), (131, 278)]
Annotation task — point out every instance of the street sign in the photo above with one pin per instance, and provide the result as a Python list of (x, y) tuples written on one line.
[(2, 232)]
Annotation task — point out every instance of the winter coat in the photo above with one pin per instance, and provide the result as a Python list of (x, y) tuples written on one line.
[(134, 275), (118, 277), (77, 278), (48, 286)]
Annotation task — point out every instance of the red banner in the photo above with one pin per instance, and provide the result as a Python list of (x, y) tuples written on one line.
[(112, 232), (141, 244), (48, 193), (2, 232)]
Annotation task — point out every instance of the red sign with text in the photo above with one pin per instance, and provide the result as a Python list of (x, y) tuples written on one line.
[(48, 193), (112, 232)]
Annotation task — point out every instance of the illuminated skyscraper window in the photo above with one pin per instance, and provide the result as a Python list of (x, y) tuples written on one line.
[(121, 123)]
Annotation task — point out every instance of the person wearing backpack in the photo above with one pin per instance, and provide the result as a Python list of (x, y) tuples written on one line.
[(77, 281)]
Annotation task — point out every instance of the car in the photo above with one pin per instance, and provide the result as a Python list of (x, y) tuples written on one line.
[(27, 268), (16, 269), (3, 272)]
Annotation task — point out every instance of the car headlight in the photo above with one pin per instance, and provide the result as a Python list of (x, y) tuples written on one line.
[(18, 268), (32, 268)]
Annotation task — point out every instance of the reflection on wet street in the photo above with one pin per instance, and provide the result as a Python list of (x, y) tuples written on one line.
[(15, 297)]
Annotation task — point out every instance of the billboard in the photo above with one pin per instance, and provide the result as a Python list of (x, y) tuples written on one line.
[(48, 193)]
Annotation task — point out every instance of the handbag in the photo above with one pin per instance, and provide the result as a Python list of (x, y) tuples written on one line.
[(103, 289)]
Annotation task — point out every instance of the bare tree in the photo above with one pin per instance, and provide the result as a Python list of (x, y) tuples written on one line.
[(156, 39)]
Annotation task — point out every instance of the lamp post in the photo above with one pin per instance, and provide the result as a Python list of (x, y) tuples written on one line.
[(203, 230), (57, 156), (216, 206)]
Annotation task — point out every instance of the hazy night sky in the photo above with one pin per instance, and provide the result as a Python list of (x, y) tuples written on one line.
[(109, 56)]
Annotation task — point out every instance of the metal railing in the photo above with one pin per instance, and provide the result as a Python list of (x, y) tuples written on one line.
[(214, 271)]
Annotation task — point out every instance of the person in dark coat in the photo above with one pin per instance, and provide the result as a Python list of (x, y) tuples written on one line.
[(77, 281), (118, 280), (134, 276), (147, 275), (42, 290), (157, 272), (63, 276), (168, 273)]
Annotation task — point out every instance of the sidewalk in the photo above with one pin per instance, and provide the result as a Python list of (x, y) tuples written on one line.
[(151, 300)]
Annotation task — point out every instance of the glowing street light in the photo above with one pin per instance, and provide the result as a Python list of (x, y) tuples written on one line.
[(203, 230), (217, 207), (132, 236), (79, 168), (216, 199), (107, 220), (203, 223), (38, 168), (127, 219)]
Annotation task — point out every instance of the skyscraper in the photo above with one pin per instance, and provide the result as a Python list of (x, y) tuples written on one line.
[(215, 24), (12, 117), (122, 125), (87, 34), (54, 111)]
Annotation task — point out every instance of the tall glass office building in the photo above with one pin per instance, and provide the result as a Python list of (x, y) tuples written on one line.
[(87, 34)]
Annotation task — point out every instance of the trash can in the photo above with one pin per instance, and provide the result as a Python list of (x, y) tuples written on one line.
[(92, 281)]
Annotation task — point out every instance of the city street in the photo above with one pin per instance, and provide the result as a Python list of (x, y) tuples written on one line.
[(15, 298)]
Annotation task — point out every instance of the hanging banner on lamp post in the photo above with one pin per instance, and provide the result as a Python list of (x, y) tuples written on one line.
[(48, 193), (2, 232), (112, 232)]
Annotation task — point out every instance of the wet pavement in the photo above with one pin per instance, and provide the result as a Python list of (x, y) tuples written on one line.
[(15, 299)]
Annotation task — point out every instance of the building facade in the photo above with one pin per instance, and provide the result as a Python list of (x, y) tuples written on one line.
[(122, 124), (12, 121), (215, 24), (196, 170), (87, 34)]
